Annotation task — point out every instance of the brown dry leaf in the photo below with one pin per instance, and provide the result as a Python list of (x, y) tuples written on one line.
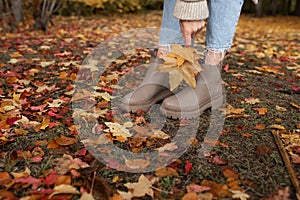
[(228, 173), (232, 112), (52, 144), (233, 184), (158, 134), (86, 196), (260, 127), (218, 190), (190, 196), (137, 163), (4, 178), (247, 135), (166, 171), (197, 188), (4, 194), (295, 159), (281, 109), (237, 194), (261, 111), (63, 180), (24, 174), (181, 64), (277, 126), (167, 147), (138, 189), (252, 101), (295, 105), (116, 197), (65, 141), (118, 130), (45, 123), (64, 189), (205, 196)]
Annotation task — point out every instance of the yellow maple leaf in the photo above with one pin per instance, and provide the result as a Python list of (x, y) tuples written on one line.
[(181, 64)]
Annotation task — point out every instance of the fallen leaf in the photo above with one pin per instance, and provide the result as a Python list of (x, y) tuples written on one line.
[(35, 182), (64, 189), (118, 130), (86, 196), (282, 109), (260, 127), (295, 159), (196, 188), (261, 111), (4, 178), (116, 197), (295, 105), (138, 189), (167, 147), (252, 101), (4, 194), (205, 196), (239, 195), (217, 190), (188, 167), (158, 134), (65, 141), (24, 174), (181, 64), (228, 173), (137, 163), (166, 171), (190, 196), (277, 126)]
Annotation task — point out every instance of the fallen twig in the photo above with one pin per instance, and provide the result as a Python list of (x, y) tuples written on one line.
[(287, 162)]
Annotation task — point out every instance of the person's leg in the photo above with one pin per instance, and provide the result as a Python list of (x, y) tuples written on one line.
[(154, 87), (170, 29), (221, 26), (191, 102)]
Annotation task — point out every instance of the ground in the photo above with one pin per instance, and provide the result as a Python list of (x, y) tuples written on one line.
[(42, 152)]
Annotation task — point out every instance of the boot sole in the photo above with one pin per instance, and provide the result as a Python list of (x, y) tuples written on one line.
[(146, 105), (193, 113)]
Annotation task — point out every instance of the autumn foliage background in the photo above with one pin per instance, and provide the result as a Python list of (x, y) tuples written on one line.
[(42, 157)]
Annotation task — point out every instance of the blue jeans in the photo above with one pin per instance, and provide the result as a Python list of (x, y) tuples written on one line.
[(221, 26)]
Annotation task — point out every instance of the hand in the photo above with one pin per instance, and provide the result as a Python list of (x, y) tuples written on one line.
[(189, 29)]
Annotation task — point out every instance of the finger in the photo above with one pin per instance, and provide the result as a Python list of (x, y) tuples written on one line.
[(188, 40)]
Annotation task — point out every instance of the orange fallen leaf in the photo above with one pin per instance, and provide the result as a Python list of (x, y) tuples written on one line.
[(4, 178), (52, 145), (166, 171), (65, 141), (295, 105), (261, 111), (181, 64), (4, 194), (116, 197), (260, 127), (228, 173), (217, 190), (277, 126), (63, 180), (247, 135), (63, 189), (190, 196)]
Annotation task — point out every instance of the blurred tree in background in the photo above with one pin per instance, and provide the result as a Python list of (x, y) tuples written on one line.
[(12, 11)]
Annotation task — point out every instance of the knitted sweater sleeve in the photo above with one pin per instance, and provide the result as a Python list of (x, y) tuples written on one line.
[(191, 9)]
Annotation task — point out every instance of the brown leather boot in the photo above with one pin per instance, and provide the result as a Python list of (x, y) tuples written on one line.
[(189, 102), (154, 88)]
